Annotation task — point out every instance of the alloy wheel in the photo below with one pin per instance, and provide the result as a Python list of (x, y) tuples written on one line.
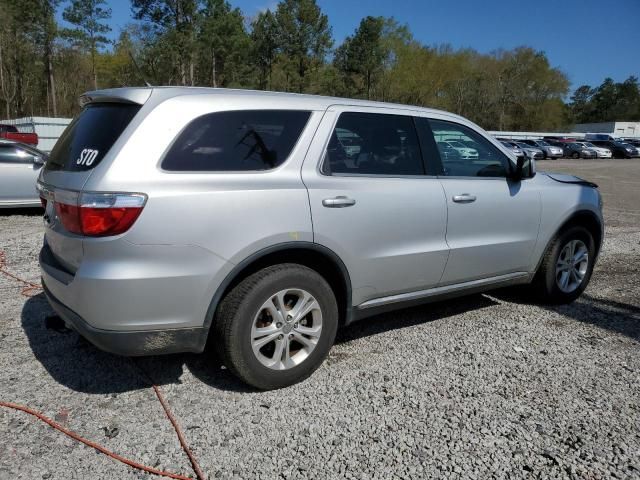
[(572, 265), (286, 329)]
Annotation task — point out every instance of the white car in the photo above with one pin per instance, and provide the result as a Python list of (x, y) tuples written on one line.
[(465, 152), (601, 151), (20, 166)]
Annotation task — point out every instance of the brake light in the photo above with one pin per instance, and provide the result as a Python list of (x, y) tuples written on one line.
[(98, 214), (44, 194), (69, 215)]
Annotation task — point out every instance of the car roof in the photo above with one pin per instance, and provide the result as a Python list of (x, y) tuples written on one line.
[(289, 100)]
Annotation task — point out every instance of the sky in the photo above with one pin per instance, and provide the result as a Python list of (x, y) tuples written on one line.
[(588, 40)]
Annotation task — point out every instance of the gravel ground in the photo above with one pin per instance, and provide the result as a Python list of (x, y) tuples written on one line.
[(480, 387)]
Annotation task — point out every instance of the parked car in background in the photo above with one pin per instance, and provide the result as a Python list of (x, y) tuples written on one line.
[(289, 235), (10, 132), (20, 165), (549, 151), (601, 137), (531, 152), (618, 149), (637, 154), (464, 150), (633, 141), (515, 149), (600, 151), (577, 150)]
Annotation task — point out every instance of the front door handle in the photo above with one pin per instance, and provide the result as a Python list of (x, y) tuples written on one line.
[(464, 198), (338, 202)]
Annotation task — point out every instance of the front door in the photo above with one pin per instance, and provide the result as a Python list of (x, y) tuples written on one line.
[(493, 221)]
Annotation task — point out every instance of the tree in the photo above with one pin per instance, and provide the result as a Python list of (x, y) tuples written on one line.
[(174, 22), (580, 104), (304, 38), (608, 102), (88, 16), (223, 44), (360, 59), (264, 39)]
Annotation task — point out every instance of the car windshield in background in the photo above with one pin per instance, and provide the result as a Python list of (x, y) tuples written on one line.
[(90, 136)]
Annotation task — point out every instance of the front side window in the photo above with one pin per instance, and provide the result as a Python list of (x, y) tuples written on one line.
[(242, 140), (373, 144), (466, 153)]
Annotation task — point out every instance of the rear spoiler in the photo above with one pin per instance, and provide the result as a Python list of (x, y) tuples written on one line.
[(117, 95)]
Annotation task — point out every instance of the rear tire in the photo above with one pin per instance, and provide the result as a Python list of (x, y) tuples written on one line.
[(566, 267), (262, 332), (575, 155)]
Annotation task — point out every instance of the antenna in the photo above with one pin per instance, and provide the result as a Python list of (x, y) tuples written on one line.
[(138, 69)]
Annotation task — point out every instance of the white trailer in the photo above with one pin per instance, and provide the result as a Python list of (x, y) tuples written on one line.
[(48, 129)]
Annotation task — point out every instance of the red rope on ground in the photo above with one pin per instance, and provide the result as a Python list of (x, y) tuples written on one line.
[(29, 287), (27, 291), (176, 426), (91, 444)]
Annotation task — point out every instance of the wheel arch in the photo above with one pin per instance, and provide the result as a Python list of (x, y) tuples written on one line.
[(583, 218), (312, 255)]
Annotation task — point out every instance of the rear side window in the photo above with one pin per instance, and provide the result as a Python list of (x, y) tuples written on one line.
[(373, 144), (90, 135), (243, 140)]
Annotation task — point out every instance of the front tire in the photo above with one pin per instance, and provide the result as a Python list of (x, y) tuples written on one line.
[(566, 267), (276, 327)]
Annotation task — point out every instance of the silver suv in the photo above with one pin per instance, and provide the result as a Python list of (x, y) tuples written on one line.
[(264, 221)]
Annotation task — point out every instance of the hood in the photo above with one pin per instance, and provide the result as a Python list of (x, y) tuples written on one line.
[(565, 178)]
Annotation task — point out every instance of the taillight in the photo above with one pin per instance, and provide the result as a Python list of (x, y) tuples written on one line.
[(104, 214), (98, 214), (44, 193)]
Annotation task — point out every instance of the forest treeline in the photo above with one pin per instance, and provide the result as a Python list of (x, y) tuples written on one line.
[(44, 67)]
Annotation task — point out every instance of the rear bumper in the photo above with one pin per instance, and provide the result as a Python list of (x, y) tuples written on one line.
[(135, 300), (134, 343)]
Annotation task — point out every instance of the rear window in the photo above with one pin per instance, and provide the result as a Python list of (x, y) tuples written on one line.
[(243, 140), (90, 135)]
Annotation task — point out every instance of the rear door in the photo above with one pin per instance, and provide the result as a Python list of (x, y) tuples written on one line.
[(373, 203), (82, 146), (18, 175), (493, 221)]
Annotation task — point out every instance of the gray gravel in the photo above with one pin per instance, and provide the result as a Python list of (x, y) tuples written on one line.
[(478, 387)]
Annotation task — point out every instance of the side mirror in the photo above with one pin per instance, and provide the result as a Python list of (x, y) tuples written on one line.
[(38, 160), (525, 168)]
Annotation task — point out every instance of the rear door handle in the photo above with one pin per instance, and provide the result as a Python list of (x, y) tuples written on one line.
[(464, 198), (338, 202)]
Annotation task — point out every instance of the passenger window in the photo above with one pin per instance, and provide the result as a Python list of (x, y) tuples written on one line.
[(466, 153), (14, 155), (373, 144), (242, 140)]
